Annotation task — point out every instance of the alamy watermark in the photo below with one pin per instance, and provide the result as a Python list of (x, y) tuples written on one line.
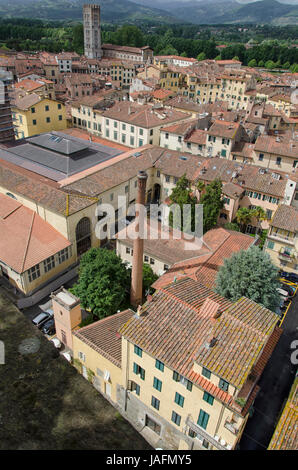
[(151, 222), (2, 353)]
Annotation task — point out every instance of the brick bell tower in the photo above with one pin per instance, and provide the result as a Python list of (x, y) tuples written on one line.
[(136, 292)]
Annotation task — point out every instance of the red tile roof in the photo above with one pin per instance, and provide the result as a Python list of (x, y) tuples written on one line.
[(26, 239), (103, 337)]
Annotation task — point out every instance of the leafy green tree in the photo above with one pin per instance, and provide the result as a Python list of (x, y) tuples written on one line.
[(180, 196), (201, 56), (103, 282), (261, 63), (286, 65), (244, 217), (252, 63), (249, 273), (149, 277), (232, 226), (236, 58), (259, 214), (212, 204), (270, 64)]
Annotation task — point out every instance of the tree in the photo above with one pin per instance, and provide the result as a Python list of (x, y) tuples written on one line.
[(252, 63), (236, 58), (200, 187), (212, 204), (259, 214), (103, 282), (249, 273), (243, 217), (182, 196), (232, 226), (261, 63), (149, 277), (201, 56)]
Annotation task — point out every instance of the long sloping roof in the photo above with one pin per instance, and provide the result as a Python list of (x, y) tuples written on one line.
[(103, 336), (26, 239), (174, 328), (285, 436)]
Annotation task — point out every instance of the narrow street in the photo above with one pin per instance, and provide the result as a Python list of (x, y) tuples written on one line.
[(275, 385)]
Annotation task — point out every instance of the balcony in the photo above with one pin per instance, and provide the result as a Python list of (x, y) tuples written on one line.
[(204, 435), (285, 256), (231, 426), (280, 238)]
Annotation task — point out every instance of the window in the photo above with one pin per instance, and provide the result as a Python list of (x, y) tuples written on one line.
[(81, 355), (111, 196), (34, 122), (115, 135), (270, 245), (127, 251), (123, 127), (208, 398), (63, 255), (155, 403), (115, 124), (166, 267), (48, 119), (152, 261), (203, 419), (224, 385), (157, 384), (167, 135), (206, 373), (179, 399), (150, 423), (132, 129), (140, 143), (138, 351), (123, 138), (60, 117), (34, 273), (158, 174), (278, 160), (32, 110), (176, 418), (107, 122), (223, 153), (159, 365), (49, 264), (59, 106), (139, 371), (47, 108), (132, 141), (168, 179), (146, 259), (141, 132)]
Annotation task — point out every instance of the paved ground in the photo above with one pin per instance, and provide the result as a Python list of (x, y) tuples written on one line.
[(275, 383), (45, 404)]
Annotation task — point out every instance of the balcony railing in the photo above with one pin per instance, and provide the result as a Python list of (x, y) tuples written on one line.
[(231, 426), (204, 435), (274, 236)]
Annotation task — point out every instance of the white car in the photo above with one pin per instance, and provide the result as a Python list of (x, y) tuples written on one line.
[(56, 342), (283, 293)]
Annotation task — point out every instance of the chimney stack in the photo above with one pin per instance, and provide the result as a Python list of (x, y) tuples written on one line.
[(136, 292)]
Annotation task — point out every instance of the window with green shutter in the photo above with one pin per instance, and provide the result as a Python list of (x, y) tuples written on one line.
[(176, 418), (155, 403), (203, 419), (157, 384), (138, 370), (179, 399), (208, 398), (159, 365), (176, 376), (224, 385), (138, 350), (206, 373), (270, 245)]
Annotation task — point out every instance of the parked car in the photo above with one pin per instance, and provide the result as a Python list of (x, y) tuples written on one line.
[(290, 289), (48, 328), (283, 293), (56, 342), (289, 276), (40, 319)]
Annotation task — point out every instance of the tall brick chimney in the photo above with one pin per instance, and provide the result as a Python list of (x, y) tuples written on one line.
[(136, 291)]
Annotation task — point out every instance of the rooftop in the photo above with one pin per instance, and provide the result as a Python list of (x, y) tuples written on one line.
[(56, 155), (286, 218), (143, 115), (103, 337), (26, 238)]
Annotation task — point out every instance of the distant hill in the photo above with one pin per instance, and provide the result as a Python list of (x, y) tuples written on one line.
[(230, 11), (112, 11), (162, 11)]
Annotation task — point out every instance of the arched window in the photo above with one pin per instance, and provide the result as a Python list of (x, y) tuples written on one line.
[(83, 235)]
